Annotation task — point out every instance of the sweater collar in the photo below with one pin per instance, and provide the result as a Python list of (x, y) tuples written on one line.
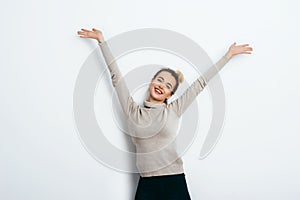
[(149, 104)]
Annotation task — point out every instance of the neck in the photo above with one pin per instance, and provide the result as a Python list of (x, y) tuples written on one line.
[(153, 100)]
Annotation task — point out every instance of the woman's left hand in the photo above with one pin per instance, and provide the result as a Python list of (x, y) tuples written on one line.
[(238, 49)]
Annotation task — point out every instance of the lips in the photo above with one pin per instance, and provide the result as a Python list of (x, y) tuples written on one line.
[(158, 91)]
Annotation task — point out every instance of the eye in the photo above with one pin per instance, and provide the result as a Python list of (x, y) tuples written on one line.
[(168, 87), (159, 79)]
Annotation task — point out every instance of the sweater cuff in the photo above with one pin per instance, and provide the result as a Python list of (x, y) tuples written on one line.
[(101, 43)]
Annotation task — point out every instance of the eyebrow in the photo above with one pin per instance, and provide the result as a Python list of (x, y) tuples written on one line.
[(167, 83)]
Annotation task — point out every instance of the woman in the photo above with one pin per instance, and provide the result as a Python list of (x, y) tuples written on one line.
[(153, 126)]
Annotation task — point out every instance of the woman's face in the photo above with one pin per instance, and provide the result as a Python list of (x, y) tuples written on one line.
[(161, 87)]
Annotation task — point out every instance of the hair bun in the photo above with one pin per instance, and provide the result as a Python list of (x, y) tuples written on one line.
[(180, 76)]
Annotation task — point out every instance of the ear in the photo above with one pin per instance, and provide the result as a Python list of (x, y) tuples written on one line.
[(170, 95)]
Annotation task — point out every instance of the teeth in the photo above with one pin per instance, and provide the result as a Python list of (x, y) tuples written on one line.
[(158, 91)]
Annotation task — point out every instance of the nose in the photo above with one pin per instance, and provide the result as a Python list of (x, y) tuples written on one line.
[(161, 86)]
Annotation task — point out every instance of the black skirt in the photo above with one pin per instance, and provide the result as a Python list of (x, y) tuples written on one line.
[(166, 187)]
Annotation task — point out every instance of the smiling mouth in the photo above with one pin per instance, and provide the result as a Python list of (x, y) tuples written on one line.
[(158, 91)]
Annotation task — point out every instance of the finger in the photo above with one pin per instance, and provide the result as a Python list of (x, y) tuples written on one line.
[(82, 34), (248, 49), (86, 30), (244, 45)]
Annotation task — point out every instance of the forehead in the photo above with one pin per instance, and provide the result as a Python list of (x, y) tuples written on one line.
[(168, 77)]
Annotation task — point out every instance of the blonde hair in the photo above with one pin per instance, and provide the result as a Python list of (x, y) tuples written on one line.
[(180, 76)]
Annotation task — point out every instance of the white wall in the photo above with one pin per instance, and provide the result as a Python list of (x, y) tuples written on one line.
[(41, 154)]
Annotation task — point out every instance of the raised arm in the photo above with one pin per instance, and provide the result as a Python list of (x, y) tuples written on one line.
[(181, 103), (118, 82), (125, 99)]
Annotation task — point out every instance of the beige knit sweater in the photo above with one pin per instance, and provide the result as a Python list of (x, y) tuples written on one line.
[(153, 127)]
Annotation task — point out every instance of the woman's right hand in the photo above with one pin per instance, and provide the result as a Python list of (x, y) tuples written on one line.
[(94, 34)]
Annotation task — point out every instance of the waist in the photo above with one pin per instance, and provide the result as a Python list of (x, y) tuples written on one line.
[(167, 176)]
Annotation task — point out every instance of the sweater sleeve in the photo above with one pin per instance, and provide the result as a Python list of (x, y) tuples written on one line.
[(181, 103), (125, 99)]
